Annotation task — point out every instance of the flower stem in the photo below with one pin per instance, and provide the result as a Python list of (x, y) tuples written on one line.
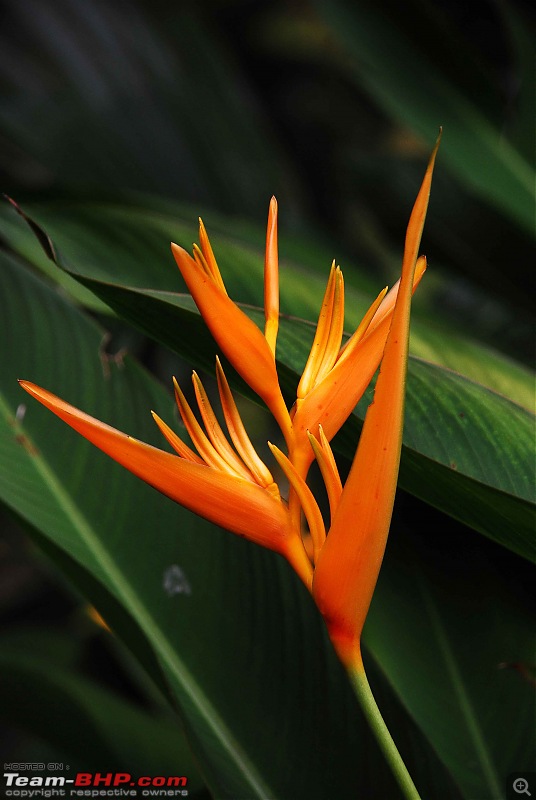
[(371, 711)]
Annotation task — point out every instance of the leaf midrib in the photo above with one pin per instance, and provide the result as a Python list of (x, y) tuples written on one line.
[(473, 727), (129, 597)]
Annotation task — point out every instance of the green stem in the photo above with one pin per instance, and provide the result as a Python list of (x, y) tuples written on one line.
[(368, 704)]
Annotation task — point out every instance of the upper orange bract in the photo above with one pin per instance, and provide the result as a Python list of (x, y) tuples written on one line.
[(348, 567)]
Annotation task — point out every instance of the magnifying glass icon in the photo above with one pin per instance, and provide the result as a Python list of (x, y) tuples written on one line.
[(521, 786)]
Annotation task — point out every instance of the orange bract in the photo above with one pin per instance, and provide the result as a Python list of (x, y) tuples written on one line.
[(234, 332), (348, 567)]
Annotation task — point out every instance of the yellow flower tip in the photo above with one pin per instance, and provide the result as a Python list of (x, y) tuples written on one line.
[(420, 268), (210, 265), (328, 335), (215, 434), (178, 391), (203, 237), (239, 436), (331, 400), (200, 260), (328, 468), (306, 498), (212, 446)]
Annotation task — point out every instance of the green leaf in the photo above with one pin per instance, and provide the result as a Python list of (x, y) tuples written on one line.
[(467, 450), (521, 43), (45, 697), (455, 641), (400, 69)]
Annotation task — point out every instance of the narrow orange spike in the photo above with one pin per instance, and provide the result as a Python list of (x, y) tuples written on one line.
[(316, 354), (336, 327), (333, 399), (200, 259), (209, 257), (271, 279), (215, 433), (328, 468), (348, 566), (238, 433), (306, 498), (176, 442), (202, 444)]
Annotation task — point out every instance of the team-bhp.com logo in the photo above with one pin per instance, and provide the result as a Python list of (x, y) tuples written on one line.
[(93, 784)]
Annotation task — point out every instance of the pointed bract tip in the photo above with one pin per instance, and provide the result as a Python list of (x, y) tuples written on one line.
[(30, 387), (177, 250), (437, 143)]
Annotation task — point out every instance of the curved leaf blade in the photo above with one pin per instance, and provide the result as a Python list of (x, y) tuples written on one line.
[(402, 77), (455, 641)]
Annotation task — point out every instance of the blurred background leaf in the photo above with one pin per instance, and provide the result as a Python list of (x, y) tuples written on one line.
[(153, 104)]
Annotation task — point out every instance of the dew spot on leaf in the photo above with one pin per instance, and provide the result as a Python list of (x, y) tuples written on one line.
[(175, 581)]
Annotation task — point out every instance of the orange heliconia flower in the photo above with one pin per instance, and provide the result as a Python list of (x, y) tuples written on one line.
[(224, 480)]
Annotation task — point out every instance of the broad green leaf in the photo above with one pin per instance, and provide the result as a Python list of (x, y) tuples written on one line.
[(399, 70), (467, 449), (129, 245), (44, 697), (456, 642)]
